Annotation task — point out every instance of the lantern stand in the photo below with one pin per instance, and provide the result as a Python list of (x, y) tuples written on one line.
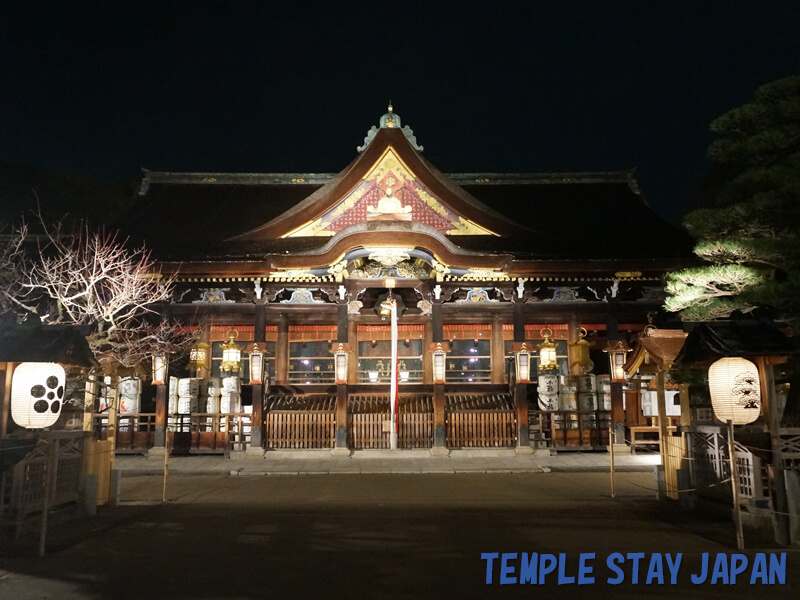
[(160, 437), (735, 389), (438, 351), (522, 361), (257, 381)]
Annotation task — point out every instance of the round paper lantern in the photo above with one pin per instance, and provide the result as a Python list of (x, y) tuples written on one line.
[(37, 394), (735, 390)]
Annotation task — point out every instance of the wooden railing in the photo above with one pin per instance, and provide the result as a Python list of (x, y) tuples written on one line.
[(481, 428), (299, 429), (209, 433), (365, 431), (415, 430), (571, 428), (134, 432)]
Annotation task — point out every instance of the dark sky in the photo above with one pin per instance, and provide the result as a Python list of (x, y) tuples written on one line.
[(105, 88)]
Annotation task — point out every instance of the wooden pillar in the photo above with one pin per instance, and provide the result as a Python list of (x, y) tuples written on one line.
[(343, 336), (352, 361), (427, 363), (159, 438), (777, 479), (618, 413), (439, 432), (340, 443), (686, 410), (257, 417), (573, 324), (519, 321), (521, 403), (5, 400), (282, 352), (633, 408), (498, 352), (663, 419), (437, 335)]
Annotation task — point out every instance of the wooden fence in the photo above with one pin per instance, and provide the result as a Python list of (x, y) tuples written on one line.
[(416, 430), (481, 428), (366, 431), (675, 453), (300, 429)]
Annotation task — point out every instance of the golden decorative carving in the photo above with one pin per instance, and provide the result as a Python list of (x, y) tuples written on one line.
[(466, 227)]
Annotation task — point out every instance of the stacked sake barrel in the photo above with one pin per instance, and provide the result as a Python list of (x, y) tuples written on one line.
[(188, 395), (129, 391), (604, 391), (587, 400), (230, 400), (210, 393), (548, 392)]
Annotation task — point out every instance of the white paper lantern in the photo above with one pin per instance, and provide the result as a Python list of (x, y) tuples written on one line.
[(735, 390), (37, 394)]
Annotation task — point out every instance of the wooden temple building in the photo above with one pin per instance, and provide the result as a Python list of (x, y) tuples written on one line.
[(481, 265)]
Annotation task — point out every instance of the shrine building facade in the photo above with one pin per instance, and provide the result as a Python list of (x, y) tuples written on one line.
[(482, 267)]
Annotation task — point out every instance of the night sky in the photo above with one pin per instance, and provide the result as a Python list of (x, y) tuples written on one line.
[(106, 88)]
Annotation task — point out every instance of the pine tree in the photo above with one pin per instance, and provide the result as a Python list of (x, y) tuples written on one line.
[(750, 235)]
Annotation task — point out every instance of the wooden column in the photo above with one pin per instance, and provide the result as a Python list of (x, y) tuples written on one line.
[(5, 400), (160, 436), (498, 352), (519, 321), (282, 352), (617, 413), (352, 361), (439, 431), (427, 363), (663, 419), (633, 408), (521, 403), (686, 410), (573, 324), (777, 480), (257, 418)]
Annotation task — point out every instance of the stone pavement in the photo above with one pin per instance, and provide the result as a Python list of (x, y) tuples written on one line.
[(317, 462)]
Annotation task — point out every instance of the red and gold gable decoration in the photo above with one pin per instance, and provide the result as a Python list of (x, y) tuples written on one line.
[(389, 192)]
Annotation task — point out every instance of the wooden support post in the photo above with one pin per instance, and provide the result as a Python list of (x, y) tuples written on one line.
[(663, 419), (686, 411), (777, 477), (352, 360), (427, 363), (573, 325), (160, 436), (340, 442), (617, 414), (5, 401), (282, 352), (498, 352), (521, 403), (257, 416), (439, 431)]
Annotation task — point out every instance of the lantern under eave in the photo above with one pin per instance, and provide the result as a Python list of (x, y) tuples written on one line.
[(617, 356), (735, 390), (37, 394), (160, 366), (547, 351), (199, 356), (522, 360), (340, 355), (438, 354), (256, 364), (231, 353)]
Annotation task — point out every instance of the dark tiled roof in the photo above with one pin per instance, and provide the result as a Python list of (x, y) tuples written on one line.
[(742, 337), (574, 217), (60, 344)]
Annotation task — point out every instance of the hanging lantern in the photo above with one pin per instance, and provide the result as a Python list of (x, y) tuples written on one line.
[(581, 352), (256, 364), (199, 356), (340, 362), (522, 357), (547, 351), (438, 353), (735, 390), (160, 365), (37, 394), (231, 353), (617, 355)]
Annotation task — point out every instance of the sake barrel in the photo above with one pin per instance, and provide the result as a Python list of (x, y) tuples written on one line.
[(586, 383), (212, 404), (187, 405), (548, 401), (548, 384), (231, 385), (172, 404), (606, 402), (229, 403), (588, 421), (587, 401), (128, 405), (173, 387), (188, 387), (129, 387), (213, 386), (568, 400), (604, 383), (568, 383)]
